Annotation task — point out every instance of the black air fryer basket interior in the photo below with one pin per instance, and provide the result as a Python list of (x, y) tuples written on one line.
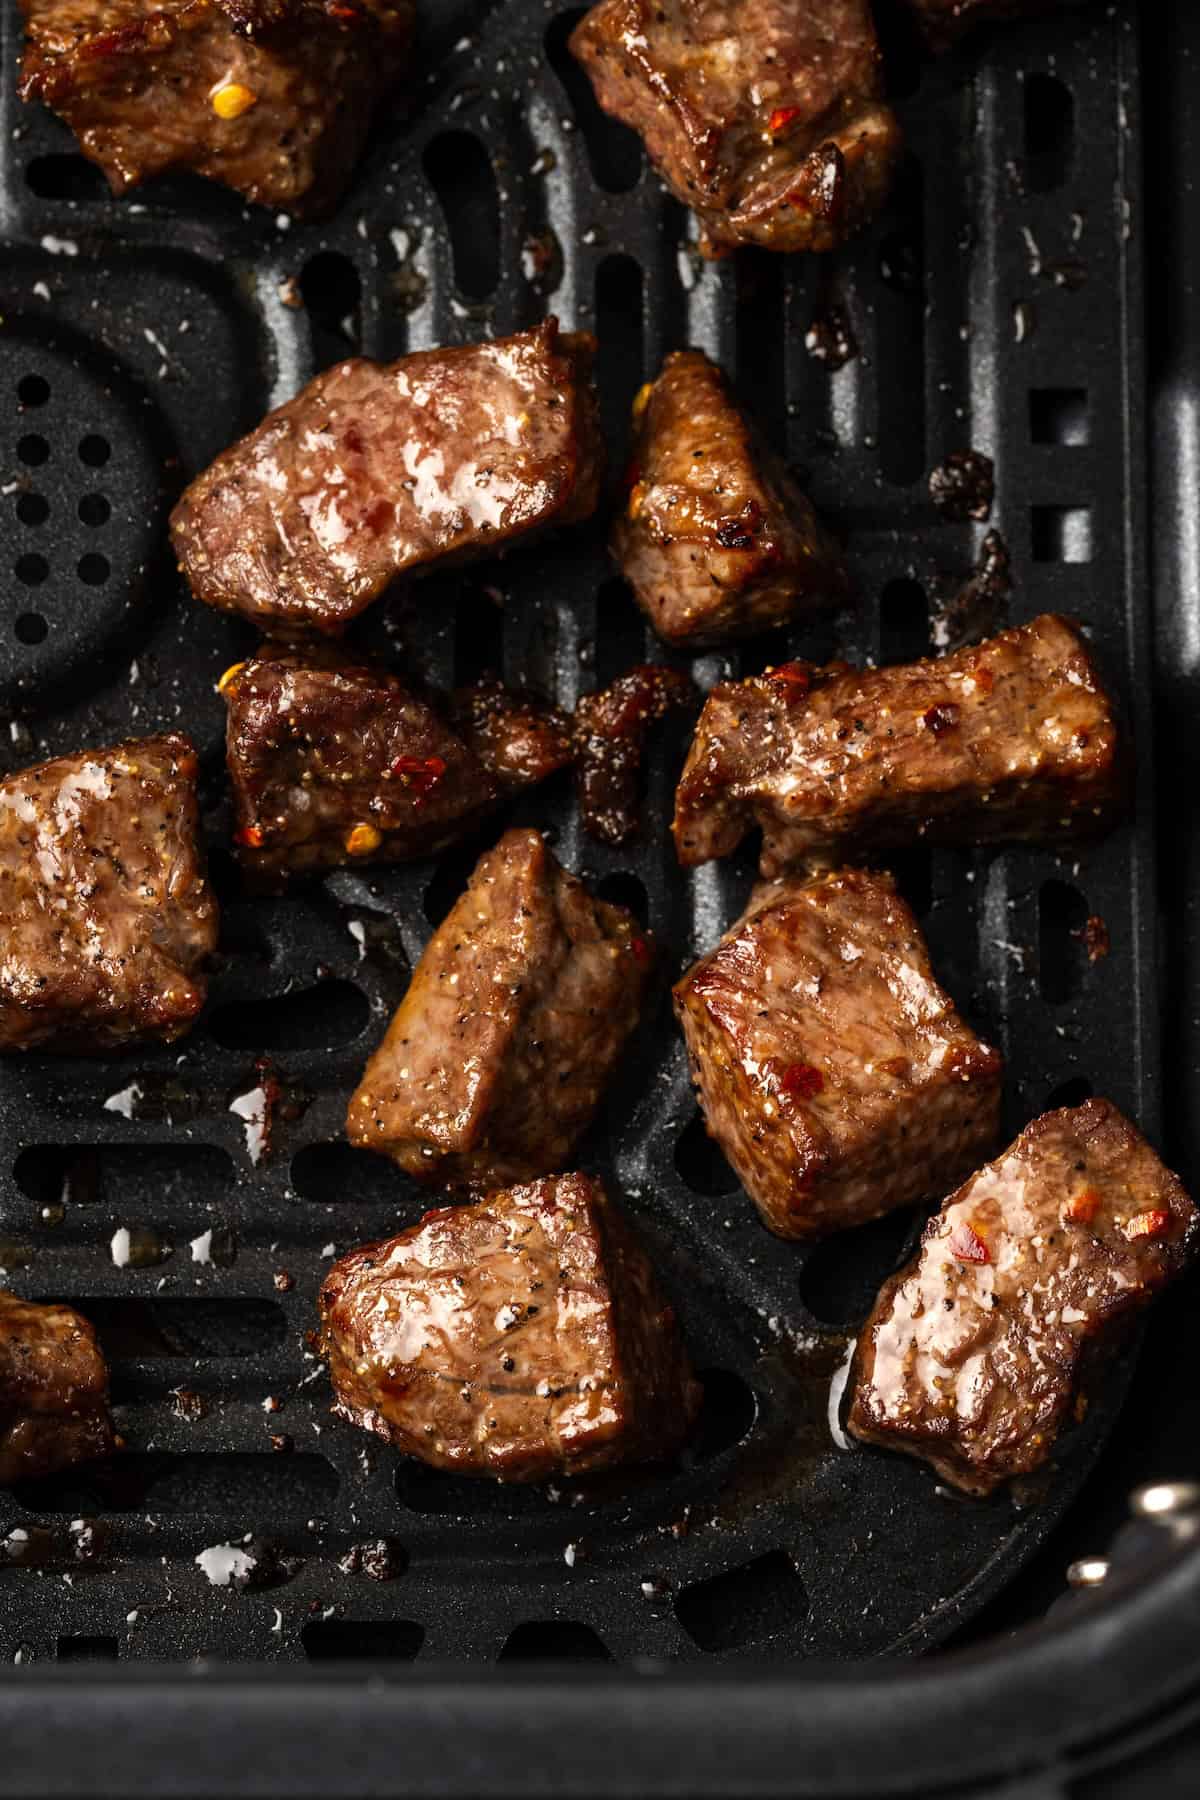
[(997, 303)]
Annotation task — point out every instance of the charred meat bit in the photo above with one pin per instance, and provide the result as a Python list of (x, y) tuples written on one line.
[(334, 760), (979, 606), (833, 1071), (764, 118), (717, 540), (976, 1364), (1012, 739), (520, 1338), (611, 730), (271, 97), (106, 917), (517, 1014), (963, 487), (53, 1391), (376, 470), (944, 21), (519, 739)]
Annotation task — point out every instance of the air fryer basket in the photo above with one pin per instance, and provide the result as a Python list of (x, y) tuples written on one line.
[(996, 304)]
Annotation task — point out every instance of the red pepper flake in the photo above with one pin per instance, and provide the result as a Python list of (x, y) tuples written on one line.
[(794, 678), (643, 956), (800, 1081), (421, 773), (967, 1245), (1148, 1224), (781, 118), (436, 1213), (941, 718), (250, 837), (1094, 938), (337, 11), (1083, 1207)]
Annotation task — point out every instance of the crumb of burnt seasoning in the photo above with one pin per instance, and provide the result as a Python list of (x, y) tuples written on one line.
[(186, 1404), (1094, 937), (611, 729), (284, 1281), (281, 1443), (963, 487), (381, 1559), (830, 339)]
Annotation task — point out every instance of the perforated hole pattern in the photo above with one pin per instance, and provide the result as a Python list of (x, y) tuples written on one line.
[(990, 306)]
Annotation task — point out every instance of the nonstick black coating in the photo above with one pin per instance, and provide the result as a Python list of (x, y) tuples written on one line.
[(994, 306)]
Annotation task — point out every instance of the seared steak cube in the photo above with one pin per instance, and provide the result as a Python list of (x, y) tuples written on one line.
[(522, 1337), (375, 470), (716, 538), (337, 761), (519, 739), (611, 731), (53, 1391), (271, 97), (517, 1015), (765, 118), (105, 912), (1014, 738), (980, 1351), (833, 1071)]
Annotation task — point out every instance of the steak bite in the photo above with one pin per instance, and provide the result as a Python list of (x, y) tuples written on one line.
[(765, 118), (522, 1337), (375, 470), (53, 1391), (611, 731), (334, 761), (1014, 738), (106, 917), (519, 739), (982, 1348), (716, 538), (271, 97), (833, 1071), (516, 1016)]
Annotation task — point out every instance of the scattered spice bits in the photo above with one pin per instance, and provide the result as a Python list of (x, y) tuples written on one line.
[(1148, 1225), (284, 1281), (1082, 1208), (1094, 938), (967, 1245), (232, 100), (941, 718), (963, 486), (362, 840)]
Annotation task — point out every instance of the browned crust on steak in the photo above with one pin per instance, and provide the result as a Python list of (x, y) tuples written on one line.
[(375, 471), (521, 1337), (716, 539), (977, 1353), (106, 917), (1014, 738), (833, 1070), (515, 1019)]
